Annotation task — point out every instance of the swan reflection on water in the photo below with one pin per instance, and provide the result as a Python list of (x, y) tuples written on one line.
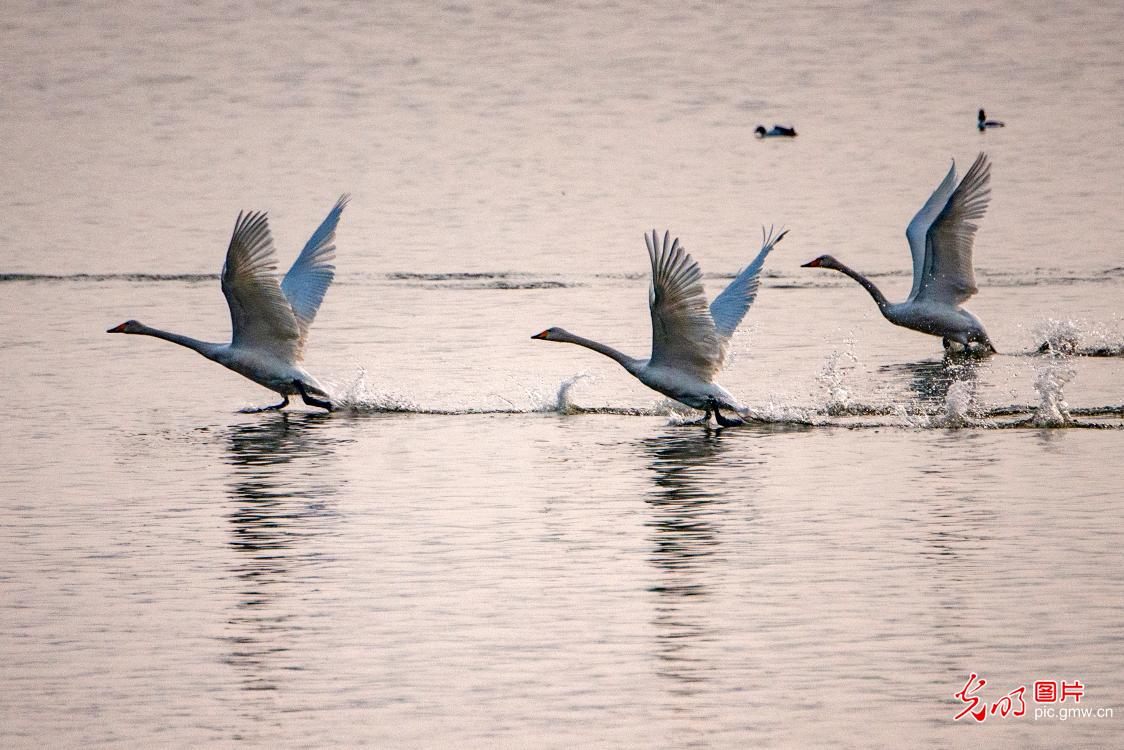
[(931, 380), (683, 506), (688, 507), (281, 486)]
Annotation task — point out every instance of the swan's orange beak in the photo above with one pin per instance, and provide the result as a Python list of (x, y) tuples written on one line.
[(117, 329), (811, 264), (540, 335)]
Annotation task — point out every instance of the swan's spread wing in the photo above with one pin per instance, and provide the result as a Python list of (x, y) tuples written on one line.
[(919, 227), (683, 333), (260, 316), (948, 274), (729, 307), (308, 280)]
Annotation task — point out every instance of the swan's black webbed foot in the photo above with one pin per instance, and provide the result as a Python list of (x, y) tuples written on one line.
[(945, 342), (722, 421), (311, 400), (726, 422), (274, 407)]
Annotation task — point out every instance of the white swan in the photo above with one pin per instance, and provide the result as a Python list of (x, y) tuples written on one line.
[(689, 339), (269, 319), (940, 239)]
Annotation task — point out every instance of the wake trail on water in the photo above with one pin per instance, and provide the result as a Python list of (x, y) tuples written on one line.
[(959, 409), (360, 397)]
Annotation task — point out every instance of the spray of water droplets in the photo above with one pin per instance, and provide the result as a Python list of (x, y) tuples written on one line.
[(1081, 337), (1053, 411), (833, 376)]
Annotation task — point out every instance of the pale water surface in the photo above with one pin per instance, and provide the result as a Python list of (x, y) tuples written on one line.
[(501, 542)]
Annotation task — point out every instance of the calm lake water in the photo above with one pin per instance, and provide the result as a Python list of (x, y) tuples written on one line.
[(501, 542)]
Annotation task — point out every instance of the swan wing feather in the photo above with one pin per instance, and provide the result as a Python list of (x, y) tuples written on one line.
[(949, 277), (729, 308), (312, 272), (683, 332), (260, 315), (918, 227)]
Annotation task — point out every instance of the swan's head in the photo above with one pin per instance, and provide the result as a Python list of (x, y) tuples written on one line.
[(981, 116), (553, 334), (824, 261), (129, 326), (760, 130)]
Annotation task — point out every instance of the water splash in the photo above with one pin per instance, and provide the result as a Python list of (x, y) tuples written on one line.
[(903, 417), (833, 374), (677, 414), (1075, 336), (562, 400), (359, 395), (777, 412), (1052, 410), (958, 411), (958, 405)]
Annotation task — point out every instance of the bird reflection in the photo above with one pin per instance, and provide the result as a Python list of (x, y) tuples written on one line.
[(960, 541), (683, 506), (931, 380), (280, 486), (686, 507)]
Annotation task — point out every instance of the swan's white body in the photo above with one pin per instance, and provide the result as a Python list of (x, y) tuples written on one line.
[(940, 237), (685, 387), (270, 319), (267, 369), (690, 339)]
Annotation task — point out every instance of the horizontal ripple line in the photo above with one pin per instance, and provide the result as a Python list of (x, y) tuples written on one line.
[(528, 280)]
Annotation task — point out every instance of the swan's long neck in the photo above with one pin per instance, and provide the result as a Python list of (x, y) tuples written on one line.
[(867, 284), (206, 348), (625, 361)]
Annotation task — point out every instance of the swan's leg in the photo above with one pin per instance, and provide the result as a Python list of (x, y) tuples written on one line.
[(723, 421), (711, 406), (311, 400), (275, 407), (726, 422), (945, 342)]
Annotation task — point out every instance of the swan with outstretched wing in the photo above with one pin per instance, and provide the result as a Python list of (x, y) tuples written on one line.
[(690, 339), (269, 318), (941, 238)]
